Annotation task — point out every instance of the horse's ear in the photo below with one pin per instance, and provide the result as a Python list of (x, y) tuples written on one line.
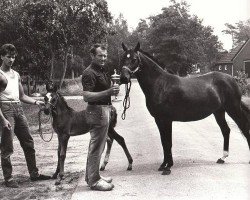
[(137, 48), (124, 47)]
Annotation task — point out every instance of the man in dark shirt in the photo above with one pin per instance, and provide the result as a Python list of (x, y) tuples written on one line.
[(97, 91)]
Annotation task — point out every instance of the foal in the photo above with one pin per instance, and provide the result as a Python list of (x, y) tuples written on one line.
[(68, 122)]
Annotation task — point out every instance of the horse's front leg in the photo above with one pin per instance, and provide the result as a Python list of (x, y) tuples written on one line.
[(165, 128), (63, 140), (106, 158), (58, 161)]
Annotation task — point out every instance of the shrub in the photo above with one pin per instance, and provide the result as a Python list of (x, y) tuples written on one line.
[(241, 79)]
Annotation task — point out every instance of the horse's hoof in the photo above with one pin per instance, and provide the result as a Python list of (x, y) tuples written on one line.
[(54, 176), (129, 168), (161, 168), (220, 161), (102, 168), (57, 182), (166, 171)]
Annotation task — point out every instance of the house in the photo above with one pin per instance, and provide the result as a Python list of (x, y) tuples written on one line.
[(238, 59)]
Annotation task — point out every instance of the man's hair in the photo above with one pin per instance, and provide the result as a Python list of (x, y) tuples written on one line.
[(8, 49), (97, 45)]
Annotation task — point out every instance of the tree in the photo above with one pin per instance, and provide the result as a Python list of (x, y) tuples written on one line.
[(118, 33), (140, 35), (59, 26), (181, 41), (239, 31)]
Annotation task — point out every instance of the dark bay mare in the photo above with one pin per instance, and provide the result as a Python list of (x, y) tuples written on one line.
[(68, 122), (172, 98)]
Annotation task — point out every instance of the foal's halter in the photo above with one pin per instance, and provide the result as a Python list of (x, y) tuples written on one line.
[(53, 107), (40, 126)]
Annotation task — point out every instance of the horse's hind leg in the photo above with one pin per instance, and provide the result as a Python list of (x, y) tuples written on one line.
[(120, 140), (242, 122), (106, 159), (220, 119)]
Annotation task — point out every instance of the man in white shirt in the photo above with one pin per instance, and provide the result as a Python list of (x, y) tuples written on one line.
[(13, 120)]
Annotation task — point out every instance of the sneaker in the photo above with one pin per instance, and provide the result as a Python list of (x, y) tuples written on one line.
[(102, 185), (107, 179), (11, 184), (40, 177)]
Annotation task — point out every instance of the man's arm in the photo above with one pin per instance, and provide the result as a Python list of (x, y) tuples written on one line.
[(88, 83), (96, 96), (24, 98), (3, 83)]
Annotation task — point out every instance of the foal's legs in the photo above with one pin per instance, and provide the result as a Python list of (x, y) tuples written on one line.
[(58, 161), (63, 140), (106, 159), (220, 119), (120, 140), (165, 128)]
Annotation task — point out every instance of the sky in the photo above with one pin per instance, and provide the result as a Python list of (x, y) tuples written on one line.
[(214, 13)]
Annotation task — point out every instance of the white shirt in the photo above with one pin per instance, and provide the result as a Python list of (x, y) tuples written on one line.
[(11, 92)]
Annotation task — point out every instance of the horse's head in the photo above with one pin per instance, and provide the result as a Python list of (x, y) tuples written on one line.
[(50, 86), (130, 63), (51, 97)]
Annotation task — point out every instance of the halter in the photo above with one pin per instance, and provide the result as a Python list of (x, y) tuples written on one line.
[(126, 101), (40, 126), (54, 105), (137, 68)]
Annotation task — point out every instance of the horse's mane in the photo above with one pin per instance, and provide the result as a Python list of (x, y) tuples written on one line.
[(157, 62), (152, 58), (65, 102)]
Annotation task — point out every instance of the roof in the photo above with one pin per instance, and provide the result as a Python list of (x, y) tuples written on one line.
[(228, 58)]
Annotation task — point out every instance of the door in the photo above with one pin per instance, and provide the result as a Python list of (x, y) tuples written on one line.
[(247, 68)]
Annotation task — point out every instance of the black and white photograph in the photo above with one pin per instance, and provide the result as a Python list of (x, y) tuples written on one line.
[(126, 100)]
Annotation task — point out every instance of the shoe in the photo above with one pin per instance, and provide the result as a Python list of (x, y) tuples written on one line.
[(107, 179), (102, 185), (40, 177), (11, 184)]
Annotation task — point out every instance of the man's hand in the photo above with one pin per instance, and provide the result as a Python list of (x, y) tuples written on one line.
[(114, 90), (39, 103), (6, 124)]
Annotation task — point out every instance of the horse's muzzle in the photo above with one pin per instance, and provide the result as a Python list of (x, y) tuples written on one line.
[(124, 80), (46, 110), (125, 76)]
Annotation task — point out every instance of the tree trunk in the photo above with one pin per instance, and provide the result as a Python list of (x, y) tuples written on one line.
[(72, 74), (64, 68), (52, 65), (28, 85)]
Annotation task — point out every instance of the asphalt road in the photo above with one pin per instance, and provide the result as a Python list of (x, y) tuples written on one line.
[(195, 174)]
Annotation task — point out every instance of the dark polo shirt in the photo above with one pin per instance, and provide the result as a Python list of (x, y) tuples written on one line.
[(96, 79)]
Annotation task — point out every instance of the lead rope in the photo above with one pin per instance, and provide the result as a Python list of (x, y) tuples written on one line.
[(126, 101), (40, 126)]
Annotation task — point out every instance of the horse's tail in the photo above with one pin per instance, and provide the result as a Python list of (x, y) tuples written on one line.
[(113, 120)]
